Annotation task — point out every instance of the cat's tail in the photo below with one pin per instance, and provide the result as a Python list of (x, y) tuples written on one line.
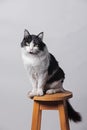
[(72, 114)]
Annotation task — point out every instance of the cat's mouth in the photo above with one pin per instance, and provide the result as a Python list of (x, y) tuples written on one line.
[(33, 53)]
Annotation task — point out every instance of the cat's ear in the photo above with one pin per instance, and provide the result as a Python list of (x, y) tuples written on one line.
[(40, 35), (26, 33)]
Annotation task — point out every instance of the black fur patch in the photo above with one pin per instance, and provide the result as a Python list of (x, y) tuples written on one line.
[(59, 74), (53, 65)]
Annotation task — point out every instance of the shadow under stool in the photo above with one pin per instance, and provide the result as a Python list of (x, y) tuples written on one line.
[(51, 102)]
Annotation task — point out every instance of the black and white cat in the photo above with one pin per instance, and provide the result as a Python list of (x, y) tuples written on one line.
[(44, 72)]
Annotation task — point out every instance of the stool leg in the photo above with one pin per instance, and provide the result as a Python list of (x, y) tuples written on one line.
[(64, 122), (39, 120), (36, 117)]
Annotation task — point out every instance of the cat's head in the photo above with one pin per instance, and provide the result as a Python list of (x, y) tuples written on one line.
[(32, 44)]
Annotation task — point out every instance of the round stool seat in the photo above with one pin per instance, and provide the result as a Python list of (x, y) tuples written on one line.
[(54, 97)]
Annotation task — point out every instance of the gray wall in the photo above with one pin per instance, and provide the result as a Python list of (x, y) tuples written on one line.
[(65, 26)]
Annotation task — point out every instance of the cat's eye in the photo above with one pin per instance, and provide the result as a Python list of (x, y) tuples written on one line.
[(27, 44), (36, 45)]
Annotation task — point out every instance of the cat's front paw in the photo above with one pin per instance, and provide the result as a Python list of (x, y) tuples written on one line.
[(40, 92), (32, 93)]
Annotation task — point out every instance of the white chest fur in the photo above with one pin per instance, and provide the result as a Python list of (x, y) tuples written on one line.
[(36, 64)]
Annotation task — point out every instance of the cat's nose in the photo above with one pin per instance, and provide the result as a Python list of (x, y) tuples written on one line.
[(31, 49)]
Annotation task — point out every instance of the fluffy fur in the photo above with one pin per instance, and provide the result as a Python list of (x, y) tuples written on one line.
[(44, 72)]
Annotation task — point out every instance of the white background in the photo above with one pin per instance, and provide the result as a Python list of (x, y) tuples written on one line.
[(64, 23)]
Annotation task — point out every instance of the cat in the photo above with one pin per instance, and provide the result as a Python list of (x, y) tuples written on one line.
[(45, 74)]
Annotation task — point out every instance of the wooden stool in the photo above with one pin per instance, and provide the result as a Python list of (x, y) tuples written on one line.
[(51, 102)]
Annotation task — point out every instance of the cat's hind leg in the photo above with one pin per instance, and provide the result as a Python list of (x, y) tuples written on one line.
[(55, 87), (52, 91)]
